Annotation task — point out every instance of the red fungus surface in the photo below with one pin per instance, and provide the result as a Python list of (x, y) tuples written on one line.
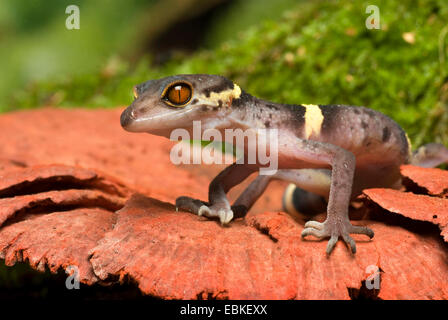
[(414, 206), (75, 189), (433, 180)]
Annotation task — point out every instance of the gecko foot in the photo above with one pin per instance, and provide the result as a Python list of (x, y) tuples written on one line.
[(225, 215), (221, 211), (334, 230)]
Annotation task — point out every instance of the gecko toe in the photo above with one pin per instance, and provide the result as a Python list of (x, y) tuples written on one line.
[(314, 232), (190, 205), (314, 224), (350, 242), (225, 216), (204, 210), (331, 244), (362, 230), (222, 212)]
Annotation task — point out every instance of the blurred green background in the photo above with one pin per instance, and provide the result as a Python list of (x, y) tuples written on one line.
[(291, 51)]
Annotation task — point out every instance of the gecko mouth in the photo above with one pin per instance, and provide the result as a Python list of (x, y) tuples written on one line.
[(155, 120)]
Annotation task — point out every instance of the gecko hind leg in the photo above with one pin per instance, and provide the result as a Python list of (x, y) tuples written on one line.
[(343, 163), (317, 180)]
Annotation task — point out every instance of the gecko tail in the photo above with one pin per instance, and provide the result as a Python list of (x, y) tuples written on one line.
[(430, 155)]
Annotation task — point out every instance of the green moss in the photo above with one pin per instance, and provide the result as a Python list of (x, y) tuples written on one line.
[(319, 52)]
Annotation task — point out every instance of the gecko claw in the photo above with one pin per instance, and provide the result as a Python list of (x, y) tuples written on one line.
[(225, 215), (314, 225), (204, 210)]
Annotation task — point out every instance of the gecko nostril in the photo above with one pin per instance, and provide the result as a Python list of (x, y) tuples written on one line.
[(136, 113)]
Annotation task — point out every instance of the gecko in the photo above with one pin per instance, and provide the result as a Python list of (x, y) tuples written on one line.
[(328, 153)]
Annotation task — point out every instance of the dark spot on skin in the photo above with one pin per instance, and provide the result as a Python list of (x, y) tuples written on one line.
[(267, 124), (297, 114), (364, 125), (434, 216), (224, 85), (243, 101), (271, 106), (331, 117), (370, 113), (195, 100), (204, 108), (386, 134)]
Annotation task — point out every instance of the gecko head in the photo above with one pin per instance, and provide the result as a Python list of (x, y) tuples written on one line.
[(163, 105)]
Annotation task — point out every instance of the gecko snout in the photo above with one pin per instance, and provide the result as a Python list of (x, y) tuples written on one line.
[(126, 117)]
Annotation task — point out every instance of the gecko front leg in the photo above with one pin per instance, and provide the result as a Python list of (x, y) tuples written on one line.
[(343, 163), (218, 205)]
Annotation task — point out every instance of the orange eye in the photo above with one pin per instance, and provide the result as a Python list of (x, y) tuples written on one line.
[(177, 94)]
